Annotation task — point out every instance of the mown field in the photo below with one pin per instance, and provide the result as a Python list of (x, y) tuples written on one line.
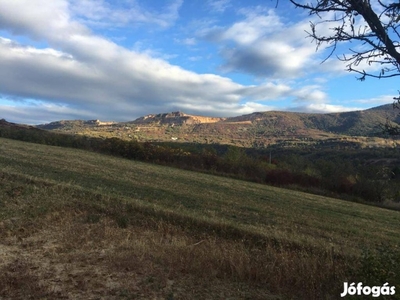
[(80, 225)]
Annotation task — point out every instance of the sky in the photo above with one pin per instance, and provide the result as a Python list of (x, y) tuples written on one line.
[(117, 60)]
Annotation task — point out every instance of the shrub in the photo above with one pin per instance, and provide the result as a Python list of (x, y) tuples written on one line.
[(380, 266)]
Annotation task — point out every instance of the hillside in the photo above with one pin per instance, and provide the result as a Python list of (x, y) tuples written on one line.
[(82, 225), (258, 129)]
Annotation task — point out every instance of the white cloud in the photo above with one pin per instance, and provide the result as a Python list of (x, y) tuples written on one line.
[(380, 100), (79, 74), (253, 28), (218, 5), (186, 41), (264, 46), (266, 91), (41, 113), (310, 94), (93, 73), (189, 41), (322, 108), (39, 19), (107, 14)]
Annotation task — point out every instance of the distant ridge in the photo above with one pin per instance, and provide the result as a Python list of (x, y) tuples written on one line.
[(362, 122), (258, 129), (4, 123), (72, 123)]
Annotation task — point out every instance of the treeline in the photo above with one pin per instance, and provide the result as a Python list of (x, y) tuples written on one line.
[(371, 175), (344, 175)]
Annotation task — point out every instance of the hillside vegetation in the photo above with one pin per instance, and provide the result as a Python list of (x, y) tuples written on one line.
[(80, 225), (259, 129), (371, 175)]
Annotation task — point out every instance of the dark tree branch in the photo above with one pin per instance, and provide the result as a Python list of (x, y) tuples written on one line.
[(375, 31), (376, 34)]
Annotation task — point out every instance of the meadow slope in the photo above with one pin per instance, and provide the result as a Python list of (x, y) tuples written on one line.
[(77, 224)]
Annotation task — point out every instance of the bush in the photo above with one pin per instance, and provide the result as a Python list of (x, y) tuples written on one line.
[(380, 266)]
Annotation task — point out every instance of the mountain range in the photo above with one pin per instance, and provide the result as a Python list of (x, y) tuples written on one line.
[(255, 129)]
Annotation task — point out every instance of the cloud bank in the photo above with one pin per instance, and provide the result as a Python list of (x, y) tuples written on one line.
[(67, 70)]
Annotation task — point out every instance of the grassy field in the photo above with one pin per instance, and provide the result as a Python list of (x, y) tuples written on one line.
[(79, 225)]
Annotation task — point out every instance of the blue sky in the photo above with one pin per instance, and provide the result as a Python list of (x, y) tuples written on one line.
[(119, 60)]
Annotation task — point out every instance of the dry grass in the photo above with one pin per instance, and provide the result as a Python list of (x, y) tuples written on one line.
[(68, 256), (77, 225), (72, 259)]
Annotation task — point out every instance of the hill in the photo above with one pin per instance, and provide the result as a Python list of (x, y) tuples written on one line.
[(175, 118), (83, 225), (258, 129)]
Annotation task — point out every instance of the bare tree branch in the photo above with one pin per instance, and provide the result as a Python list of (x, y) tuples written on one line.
[(374, 28), (356, 20)]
